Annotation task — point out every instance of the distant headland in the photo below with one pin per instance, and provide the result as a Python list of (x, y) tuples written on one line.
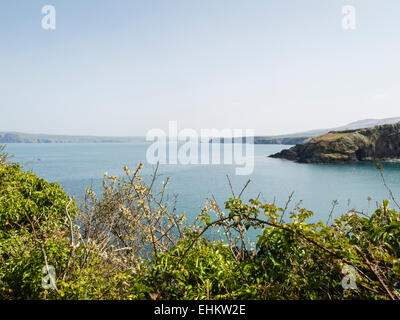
[(17, 137), (380, 143)]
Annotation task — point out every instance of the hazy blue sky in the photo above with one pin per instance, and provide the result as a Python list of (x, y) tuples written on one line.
[(122, 67)]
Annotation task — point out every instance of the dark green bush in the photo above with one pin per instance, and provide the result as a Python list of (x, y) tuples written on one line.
[(33, 224)]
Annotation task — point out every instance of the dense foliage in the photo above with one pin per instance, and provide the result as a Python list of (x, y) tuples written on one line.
[(32, 224), (130, 244)]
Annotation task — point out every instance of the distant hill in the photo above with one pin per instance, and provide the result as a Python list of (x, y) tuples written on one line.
[(17, 137), (289, 139), (360, 124), (303, 137), (379, 143)]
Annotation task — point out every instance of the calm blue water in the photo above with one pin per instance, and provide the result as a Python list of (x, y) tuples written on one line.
[(76, 166)]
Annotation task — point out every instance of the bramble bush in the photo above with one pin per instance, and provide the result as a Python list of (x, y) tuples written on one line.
[(32, 225), (131, 244)]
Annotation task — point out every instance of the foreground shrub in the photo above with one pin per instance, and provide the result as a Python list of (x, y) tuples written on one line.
[(33, 232), (206, 271), (301, 260)]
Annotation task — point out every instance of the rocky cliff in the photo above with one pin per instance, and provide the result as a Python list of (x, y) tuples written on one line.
[(372, 144)]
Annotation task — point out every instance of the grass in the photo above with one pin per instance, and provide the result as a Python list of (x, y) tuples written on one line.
[(332, 136)]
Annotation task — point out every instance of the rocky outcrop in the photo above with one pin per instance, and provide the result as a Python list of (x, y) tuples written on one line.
[(379, 143)]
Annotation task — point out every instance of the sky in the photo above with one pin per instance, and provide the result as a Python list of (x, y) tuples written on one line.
[(123, 67)]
